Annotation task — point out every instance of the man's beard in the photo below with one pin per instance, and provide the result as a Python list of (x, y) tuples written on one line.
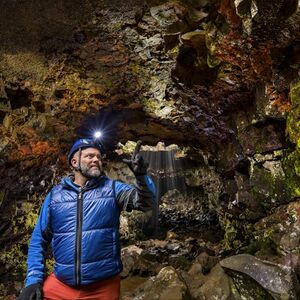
[(90, 173)]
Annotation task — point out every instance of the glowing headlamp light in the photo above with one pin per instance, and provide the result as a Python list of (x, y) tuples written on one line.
[(97, 135), (97, 141)]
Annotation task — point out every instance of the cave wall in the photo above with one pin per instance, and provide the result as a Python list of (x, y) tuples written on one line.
[(218, 77)]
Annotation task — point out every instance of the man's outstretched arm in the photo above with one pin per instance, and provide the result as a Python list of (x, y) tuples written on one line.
[(140, 196)]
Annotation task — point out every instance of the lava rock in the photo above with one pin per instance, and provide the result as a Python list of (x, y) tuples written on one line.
[(258, 279)]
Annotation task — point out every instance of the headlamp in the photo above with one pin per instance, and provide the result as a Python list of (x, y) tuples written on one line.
[(97, 134), (80, 144)]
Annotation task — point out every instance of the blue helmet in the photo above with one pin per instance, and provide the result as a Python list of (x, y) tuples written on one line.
[(85, 143)]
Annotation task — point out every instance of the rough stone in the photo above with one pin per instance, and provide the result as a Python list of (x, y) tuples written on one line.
[(269, 182), (132, 261), (257, 279), (166, 285), (279, 232), (194, 39), (170, 16), (206, 261), (217, 285)]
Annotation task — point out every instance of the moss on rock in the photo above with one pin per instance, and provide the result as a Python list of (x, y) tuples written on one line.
[(292, 161), (293, 121), (291, 165), (269, 188), (278, 234)]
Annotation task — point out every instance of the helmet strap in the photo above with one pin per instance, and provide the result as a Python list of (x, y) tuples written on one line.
[(78, 168)]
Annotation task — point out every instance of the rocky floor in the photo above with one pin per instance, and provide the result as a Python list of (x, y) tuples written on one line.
[(178, 268), (186, 259), (189, 263)]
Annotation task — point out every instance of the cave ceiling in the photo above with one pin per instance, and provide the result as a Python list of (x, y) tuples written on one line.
[(202, 74)]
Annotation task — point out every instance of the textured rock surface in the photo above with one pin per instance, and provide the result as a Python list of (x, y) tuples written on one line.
[(130, 257), (279, 232), (166, 285), (218, 78), (257, 279), (216, 286)]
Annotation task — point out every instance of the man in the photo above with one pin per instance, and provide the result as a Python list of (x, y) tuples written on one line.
[(80, 218)]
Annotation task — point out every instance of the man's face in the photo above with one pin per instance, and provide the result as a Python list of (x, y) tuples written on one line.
[(90, 162)]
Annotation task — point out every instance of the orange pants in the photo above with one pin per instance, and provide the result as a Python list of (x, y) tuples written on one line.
[(108, 289)]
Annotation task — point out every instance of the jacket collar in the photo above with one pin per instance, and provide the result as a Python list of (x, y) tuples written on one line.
[(68, 183)]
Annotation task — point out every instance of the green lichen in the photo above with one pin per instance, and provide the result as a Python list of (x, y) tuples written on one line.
[(141, 75), (212, 61), (230, 234), (262, 242), (200, 62), (174, 51), (13, 256), (49, 265), (128, 148), (234, 290), (291, 166), (151, 105), (298, 145), (212, 36), (136, 68), (14, 259), (293, 121), (292, 162), (248, 288), (224, 70), (266, 242), (164, 17), (4, 106), (269, 188), (31, 219), (28, 219)]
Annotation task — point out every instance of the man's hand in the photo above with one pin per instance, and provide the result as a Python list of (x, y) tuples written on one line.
[(32, 292), (137, 164)]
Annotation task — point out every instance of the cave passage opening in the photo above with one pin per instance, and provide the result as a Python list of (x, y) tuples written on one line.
[(166, 168)]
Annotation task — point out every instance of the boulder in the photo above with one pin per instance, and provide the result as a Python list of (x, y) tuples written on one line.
[(280, 231), (217, 285), (206, 261), (131, 259), (259, 279), (165, 286), (194, 39)]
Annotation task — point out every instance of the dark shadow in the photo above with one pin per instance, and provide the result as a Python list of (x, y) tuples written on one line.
[(28, 25)]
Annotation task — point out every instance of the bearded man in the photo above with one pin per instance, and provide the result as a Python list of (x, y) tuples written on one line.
[(80, 218)]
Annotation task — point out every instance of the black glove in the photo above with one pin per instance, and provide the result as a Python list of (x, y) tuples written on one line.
[(137, 164), (32, 292)]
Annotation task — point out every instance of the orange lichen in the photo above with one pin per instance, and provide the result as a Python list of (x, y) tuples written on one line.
[(42, 148), (239, 51), (29, 132), (25, 150), (261, 61), (228, 11), (279, 99), (33, 149)]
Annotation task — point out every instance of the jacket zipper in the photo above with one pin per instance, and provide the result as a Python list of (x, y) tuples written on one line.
[(78, 238)]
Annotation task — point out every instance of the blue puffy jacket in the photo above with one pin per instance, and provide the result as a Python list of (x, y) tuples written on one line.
[(83, 226)]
